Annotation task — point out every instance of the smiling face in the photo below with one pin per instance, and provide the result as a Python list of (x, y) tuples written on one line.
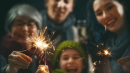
[(71, 61), (110, 14), (58, 10), (22, 28)]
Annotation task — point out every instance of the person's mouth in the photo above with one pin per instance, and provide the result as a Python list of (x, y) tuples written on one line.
[(111, 22), (24, 36), (59, 12), (71, 70)]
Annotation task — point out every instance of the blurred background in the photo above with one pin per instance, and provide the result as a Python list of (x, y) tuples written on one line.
[(79, 10)]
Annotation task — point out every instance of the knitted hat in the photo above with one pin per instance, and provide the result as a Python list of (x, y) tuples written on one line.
[(72, 45)]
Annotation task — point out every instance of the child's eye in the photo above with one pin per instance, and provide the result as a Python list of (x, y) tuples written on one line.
[(98, 14), (66, 1), (65, 58), (76, 57), (110, 7), (57, 0)]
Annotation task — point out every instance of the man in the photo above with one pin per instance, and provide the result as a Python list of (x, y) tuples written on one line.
[(58, 18)]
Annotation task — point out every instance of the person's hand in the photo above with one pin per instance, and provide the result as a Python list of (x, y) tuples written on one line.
[(17, 60), (42, 69), (125, 61)]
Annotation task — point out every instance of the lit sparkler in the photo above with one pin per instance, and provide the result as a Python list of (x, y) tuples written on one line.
[(41, 42), (105, 52), (94, 63), (92, 69), (101, 52), (44, 69)]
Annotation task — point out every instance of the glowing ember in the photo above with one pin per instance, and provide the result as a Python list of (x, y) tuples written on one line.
[(94, 63), (99, 53), (99, 61), (106, 52), (39, 43), (43, 69), (92, 69), (102, 43), (97, 45)]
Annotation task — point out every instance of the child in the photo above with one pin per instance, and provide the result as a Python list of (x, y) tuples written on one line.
[(70, 57)]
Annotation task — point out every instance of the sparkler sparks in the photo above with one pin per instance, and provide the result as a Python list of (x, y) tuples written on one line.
[(106, 52), (94, 63), (92, 69), (101, 52), (41, 42), (43, 69)]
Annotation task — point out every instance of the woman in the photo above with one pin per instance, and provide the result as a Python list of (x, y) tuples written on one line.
[(114, 16), (16, 51)]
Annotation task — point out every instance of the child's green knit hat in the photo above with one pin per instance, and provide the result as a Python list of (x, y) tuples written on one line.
[(69, 45)]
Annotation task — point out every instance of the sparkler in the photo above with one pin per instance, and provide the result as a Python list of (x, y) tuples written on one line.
[(102, 52), (92, 69), (41, 42), (44, 69), (105, 52)]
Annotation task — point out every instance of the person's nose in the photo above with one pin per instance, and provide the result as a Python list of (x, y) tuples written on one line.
[(25, 27), (106, 15), (70, 60), (61, 4)]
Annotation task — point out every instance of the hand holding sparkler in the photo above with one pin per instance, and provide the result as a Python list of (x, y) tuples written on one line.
[(42, 69), (17, 61)]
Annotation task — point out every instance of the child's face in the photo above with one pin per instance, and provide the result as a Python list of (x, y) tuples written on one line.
[(71, 61)]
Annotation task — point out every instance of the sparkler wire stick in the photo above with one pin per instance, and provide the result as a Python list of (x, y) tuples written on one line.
[(45, 57), (34, 52)]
